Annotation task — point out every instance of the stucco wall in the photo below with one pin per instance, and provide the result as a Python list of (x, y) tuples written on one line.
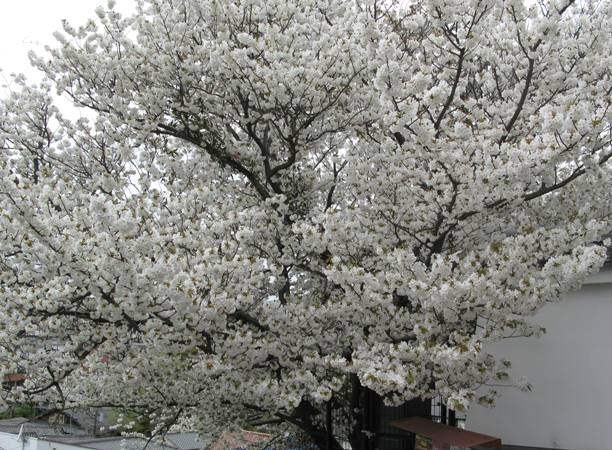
[(570, 369)]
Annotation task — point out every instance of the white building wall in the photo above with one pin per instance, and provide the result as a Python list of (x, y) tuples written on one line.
[(570, 369), (10, 442), (49, 445)]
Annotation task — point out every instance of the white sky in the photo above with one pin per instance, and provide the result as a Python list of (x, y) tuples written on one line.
[(29, 24)]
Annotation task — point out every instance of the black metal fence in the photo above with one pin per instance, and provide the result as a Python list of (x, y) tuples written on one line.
[(374, 428), (440, 413)]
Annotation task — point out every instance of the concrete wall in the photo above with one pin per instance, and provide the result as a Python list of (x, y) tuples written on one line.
[(570, 369)]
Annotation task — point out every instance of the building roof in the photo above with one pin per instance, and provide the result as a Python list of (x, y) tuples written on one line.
[(187, 441), (172, 441), (38, 428), (72, 434), (71, 439), (14, 377), (86, 418)]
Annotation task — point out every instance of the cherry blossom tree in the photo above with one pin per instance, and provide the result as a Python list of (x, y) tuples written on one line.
[(267, 203)]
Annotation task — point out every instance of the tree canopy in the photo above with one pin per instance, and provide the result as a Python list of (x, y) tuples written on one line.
[(264, 199)]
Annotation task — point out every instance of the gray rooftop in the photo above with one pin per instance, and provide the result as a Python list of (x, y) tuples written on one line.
[(172, 441), (187, 441), (74, 435), (38, 428)]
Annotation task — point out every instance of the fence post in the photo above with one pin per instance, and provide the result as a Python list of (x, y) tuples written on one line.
[(452, 418), (330, 431), (442, 412)]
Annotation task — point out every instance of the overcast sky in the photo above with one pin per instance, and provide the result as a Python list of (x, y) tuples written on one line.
[(29, 24)]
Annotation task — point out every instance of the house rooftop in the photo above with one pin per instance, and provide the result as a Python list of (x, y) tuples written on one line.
[(58, 434), (36, 428)]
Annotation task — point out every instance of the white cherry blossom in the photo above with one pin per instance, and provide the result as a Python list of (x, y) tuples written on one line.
[(266, 203)]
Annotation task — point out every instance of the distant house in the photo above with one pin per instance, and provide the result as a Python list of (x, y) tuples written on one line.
[(569, 369), (13, 379)]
